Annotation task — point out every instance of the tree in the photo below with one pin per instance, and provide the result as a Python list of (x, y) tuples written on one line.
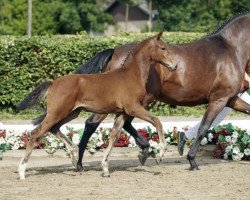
[(52, 17), (195, 15)]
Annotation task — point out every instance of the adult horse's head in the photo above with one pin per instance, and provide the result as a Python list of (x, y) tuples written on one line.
[(161, 53)]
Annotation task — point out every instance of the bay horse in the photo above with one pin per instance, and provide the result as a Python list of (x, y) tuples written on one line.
[(119, 91), (210, 71)]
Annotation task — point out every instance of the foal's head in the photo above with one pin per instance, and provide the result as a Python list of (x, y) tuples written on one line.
[(161, 54)]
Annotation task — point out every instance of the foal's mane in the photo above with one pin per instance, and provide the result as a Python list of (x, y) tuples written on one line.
[(228, 21), (137, 45)]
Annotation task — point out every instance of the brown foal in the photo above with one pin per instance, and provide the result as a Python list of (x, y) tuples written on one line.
[(120, 91)]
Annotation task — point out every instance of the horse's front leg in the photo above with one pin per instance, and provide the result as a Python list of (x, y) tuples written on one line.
[(214, 108), (140, 140), (118, 124), (91, 125), (139, 112)]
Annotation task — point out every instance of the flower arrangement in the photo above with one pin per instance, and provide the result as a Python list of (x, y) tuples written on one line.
[(52, 143), (3, 143), (153, 139), (231, 142)]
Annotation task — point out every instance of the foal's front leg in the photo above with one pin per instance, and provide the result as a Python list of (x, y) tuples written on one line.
[(118, 124), (139, 112)]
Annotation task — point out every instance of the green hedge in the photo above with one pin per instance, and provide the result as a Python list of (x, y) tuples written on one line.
[(26, 62)]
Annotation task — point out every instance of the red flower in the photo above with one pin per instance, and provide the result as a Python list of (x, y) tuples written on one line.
[(144, 133), (223, 132), (155, 137), (2, 133), (122, 141), (70, 134)]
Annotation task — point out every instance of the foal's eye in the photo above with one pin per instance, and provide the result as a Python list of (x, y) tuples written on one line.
[(163, 48)]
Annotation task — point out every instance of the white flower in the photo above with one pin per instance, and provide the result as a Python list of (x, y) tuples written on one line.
[(225, 156), (76, 138), (228, 148), (168, 139), (204, 141), (54, 144), (61, 144), (236, 150), (236, 157), (248, 132), (153, 144), (235, 134), (228, 138), (132, 142), (16, 146), (240, 155), (210, 137), (100, 143), (2, 141), (247, 152), (233, 140), (50, 139)]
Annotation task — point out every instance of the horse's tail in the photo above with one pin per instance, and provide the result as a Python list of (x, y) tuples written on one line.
[(35, 96), (97, 63)]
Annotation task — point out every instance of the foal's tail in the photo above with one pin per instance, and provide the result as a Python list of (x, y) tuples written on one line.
[(35, 96), (97, 63)]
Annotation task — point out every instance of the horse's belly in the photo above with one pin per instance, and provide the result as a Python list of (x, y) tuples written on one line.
[(183, 97)]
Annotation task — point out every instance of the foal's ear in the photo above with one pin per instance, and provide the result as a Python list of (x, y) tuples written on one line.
[(159, 35)]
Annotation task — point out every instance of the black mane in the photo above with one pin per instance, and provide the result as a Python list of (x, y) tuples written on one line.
[(228, 21)]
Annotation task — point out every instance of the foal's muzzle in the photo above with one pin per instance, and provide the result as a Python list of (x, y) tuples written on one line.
[(170, 67)]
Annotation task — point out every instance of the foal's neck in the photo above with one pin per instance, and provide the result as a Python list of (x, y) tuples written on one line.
[(138, 63)]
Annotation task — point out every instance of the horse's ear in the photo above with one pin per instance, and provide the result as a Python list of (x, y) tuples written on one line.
[(159, 35)]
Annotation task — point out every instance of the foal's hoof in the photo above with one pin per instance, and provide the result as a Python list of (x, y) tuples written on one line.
[(193, 168), (105, 174), (158, 159)]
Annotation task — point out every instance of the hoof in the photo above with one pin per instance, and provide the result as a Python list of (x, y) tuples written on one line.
[(79, 168), (158, 159), (194, 168), (105, 175), (142, 158)]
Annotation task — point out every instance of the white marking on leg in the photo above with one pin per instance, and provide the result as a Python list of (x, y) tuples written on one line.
[(21, 169)]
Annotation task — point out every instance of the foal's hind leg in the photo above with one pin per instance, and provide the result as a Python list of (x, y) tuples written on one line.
[(36, 133), (73, 148), (139, 112), (118, 124)]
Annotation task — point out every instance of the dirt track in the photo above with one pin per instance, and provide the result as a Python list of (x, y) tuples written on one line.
[(54, 178)]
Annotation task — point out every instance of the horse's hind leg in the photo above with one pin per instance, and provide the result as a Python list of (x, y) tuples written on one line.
[(139, 112), (240, 105), (118, 124), (91, 125)]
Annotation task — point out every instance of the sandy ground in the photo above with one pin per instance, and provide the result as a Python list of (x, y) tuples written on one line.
[(54, 177)]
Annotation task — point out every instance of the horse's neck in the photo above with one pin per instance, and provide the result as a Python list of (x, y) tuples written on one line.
[(237, 33)]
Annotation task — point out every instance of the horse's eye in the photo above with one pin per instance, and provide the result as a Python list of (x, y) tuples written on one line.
[(163, 48)]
